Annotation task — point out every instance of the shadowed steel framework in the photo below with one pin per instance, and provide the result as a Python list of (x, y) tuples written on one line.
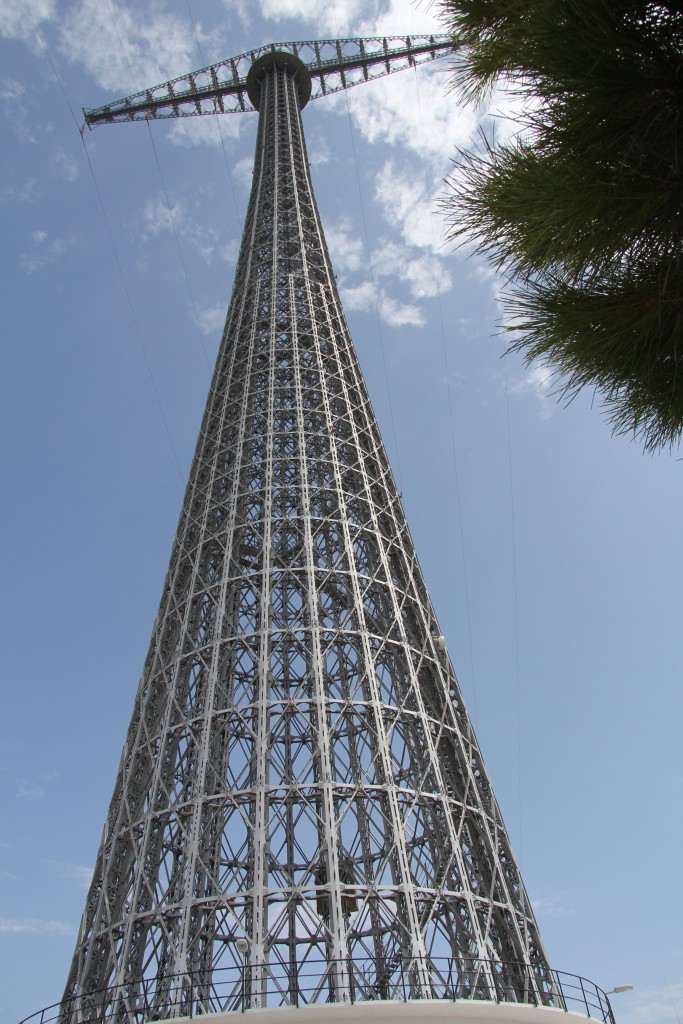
[(300, 788)]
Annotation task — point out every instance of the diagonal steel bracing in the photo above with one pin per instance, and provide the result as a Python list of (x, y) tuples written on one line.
[(300, 783)]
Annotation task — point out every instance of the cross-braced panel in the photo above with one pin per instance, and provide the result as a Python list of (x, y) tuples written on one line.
[(300, 785)]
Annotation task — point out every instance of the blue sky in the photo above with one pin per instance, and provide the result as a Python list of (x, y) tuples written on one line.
[(553, 551)]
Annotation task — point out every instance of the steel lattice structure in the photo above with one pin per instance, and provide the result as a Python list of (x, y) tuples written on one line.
[(300, 781)]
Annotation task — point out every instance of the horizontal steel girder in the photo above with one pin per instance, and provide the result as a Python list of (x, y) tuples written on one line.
[(332, 64)]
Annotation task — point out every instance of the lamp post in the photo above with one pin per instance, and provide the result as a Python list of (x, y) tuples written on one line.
[(243, 948)]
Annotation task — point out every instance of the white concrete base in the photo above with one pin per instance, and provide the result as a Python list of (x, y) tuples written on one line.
[(414, 1011)]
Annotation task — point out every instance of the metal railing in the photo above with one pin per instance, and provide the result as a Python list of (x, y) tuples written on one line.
[(352, 980)]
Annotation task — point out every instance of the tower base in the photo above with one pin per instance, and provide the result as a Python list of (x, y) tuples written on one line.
[(415, 1011)]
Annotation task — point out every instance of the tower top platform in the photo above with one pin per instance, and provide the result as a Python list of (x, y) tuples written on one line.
[(279, 59)]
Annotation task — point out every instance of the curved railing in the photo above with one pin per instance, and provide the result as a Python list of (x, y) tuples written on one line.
[(353, 980)]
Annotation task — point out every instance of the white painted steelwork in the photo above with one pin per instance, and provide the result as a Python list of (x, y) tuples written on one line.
[(300, 781)]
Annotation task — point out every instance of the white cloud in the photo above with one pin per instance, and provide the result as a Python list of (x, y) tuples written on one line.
[(33, 925), (73, 872), (398, 314), (651, 1006), (352, 17), (319, 153), (346, 249), (205, 130), (243, 171), (42, 253), (485, 272), (413, 114), (455, 380), (230, 252), (405, 205), (402, 16), (365, 297), (26, 789), (16, 23), (358, 297), (241, 8), (334, 19), (422, 272), (538, 380), (507, 112), (160, 216), (25, 193), (212, 318), (127, 49), (414, 110), (554, 904), (31, 789), (10, 90), (11, 93), (64, 165)]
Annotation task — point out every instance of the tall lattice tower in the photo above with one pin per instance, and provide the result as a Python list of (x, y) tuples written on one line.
[(301, 813)]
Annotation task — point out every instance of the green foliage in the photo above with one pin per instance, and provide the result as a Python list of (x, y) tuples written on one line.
[(583, 209)]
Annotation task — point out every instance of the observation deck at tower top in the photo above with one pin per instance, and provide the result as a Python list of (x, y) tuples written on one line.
[(228, 86), (279, 59)]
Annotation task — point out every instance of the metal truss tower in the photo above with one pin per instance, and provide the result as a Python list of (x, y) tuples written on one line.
[(301, 812)]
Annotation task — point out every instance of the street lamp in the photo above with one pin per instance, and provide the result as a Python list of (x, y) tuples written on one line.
[(242, 945), (619, 988)]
